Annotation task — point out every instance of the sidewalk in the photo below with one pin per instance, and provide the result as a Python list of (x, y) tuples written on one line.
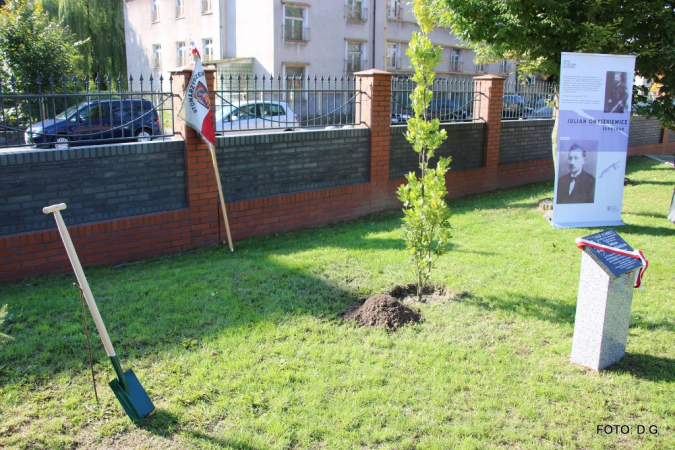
[(670, 160)]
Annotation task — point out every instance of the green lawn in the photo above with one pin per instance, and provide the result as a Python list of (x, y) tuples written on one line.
[(247, 350)]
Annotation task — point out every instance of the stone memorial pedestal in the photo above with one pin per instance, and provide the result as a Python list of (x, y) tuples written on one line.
[(603, 303)]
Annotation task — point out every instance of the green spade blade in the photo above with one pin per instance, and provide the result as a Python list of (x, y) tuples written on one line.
[(134, 399)]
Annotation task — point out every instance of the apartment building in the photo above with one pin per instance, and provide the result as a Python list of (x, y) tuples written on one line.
[(286, 38)]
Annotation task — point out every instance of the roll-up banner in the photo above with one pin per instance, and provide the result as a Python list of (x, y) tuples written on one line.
[(593, 123)]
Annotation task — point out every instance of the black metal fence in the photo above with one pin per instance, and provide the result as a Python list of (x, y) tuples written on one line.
[(70, 111), (249, 103), (453, 100), (528, 101)]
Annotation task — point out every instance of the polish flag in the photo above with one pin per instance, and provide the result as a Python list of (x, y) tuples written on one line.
[(196, 107)]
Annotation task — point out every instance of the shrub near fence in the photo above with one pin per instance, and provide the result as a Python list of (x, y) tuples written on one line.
[(132, 201)]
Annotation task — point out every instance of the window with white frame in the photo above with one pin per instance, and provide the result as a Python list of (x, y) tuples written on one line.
[(180, 9), (455, 60), (155, 10), (355, 10), (206, 6), (504, 67), (157, 57), (207, 45), (393, 55), (295, 23), (394, 9), (295, 77), (181, 54), (480, 67), (355, 61)]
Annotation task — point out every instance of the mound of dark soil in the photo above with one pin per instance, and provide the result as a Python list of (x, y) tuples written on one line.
[(383, 311)]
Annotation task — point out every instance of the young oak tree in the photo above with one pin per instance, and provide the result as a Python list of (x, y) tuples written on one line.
[(426, 220)]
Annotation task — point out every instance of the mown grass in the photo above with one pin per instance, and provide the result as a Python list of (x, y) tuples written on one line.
[(247, 350)]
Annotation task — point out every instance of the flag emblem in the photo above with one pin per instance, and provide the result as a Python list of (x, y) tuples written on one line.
[(202, 95)]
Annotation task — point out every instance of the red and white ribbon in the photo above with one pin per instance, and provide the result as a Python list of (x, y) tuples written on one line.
[(635, 254)]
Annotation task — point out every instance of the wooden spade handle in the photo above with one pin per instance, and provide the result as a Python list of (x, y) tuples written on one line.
[(81, 279)]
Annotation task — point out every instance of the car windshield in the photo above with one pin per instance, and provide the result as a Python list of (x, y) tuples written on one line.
[(65, 114)]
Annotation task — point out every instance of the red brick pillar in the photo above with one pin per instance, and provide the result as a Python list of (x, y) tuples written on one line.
[(488, 107), (202, 188), (376, 114)]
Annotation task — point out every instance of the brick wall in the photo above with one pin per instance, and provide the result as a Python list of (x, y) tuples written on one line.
[(464, 143), (525, 140), (263, 165), (644, 132), (97, 183)]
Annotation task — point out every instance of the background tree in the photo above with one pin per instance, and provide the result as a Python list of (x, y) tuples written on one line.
[(31, 44), (535, 32), (99, 26), (426, 216)]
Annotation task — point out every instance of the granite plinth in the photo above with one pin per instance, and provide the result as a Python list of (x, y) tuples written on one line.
[(602, 316)]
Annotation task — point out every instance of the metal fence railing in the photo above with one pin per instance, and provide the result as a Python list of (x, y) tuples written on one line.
[(528, 101), (250, 103), (70, 111), (453, 100)]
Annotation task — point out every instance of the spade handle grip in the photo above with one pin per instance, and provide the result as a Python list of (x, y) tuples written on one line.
[(53, 208)]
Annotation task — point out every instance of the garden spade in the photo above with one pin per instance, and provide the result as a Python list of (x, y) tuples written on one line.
[(126, 386)]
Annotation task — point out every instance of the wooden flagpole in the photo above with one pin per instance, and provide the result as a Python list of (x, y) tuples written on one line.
[(222, 197)]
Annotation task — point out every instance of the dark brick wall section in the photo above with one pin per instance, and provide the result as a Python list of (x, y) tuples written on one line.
[(644, 132), (97, 183), (263, 165), (464, 143), (525, 140)]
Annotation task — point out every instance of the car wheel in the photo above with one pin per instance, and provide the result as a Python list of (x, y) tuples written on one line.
[(61, 142), (144, 135)]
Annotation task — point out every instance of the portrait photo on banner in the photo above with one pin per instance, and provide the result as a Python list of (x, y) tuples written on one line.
[(577, 168), (616, 92)]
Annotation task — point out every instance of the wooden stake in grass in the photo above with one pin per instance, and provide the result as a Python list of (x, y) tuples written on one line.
[(426, 221)]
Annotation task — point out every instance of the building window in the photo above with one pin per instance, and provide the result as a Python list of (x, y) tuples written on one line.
[(455, 60), (393, 55), (208, 49), (295, 77), (155, 10), (355, 52), (504, 67), (295, 28), (355, 11), (180, 9), (206, 6), (157, 57), (394, 9), (181, 54), (480, 67)]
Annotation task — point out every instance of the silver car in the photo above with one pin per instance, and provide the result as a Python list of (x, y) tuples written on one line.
[(252, 115)]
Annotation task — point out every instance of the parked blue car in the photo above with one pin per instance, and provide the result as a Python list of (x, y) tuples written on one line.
[(111, 119)]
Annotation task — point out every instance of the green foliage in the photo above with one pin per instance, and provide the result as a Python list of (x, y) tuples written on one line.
[(3, 314), (98, 25), (31, 44), (426, 221), (535, 32)]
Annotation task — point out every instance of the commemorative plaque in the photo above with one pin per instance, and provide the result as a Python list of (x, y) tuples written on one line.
[(604, 302)]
